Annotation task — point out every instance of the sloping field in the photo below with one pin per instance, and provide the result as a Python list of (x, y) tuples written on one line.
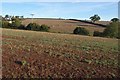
[(51, 55), (103, 22), (64, 26)]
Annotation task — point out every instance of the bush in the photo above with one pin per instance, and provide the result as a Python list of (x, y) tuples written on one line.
[(81, 31), (15, 24), (44, 27), (36, 27), (6, 24), (112, 30), (29, 26), (22, 27), (32, 26), (97, 33)]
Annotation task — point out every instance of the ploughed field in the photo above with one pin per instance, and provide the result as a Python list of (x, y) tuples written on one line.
[(66, 26), (52, 55)]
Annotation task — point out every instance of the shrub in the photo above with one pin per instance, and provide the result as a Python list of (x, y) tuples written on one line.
[(44, 27), (97, 33), (22, 27), (112, 30), (6, 24), (36, 27), (81, 31), (29, 26), (16, 23), (32, 26)]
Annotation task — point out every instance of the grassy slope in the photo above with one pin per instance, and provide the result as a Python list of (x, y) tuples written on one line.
[(73, 52)]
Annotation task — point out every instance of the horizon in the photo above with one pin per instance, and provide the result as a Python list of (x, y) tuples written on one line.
[(64, 10)]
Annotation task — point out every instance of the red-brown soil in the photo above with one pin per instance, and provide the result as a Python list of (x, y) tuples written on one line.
[(47, 59)]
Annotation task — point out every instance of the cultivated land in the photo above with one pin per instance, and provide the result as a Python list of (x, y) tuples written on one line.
[(66, 26), (54, 55)]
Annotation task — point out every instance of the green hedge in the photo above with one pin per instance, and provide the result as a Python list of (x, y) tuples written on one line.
[(81, 31)]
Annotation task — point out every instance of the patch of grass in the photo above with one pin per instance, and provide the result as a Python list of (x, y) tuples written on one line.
[(86, 48), (112, 63), (112, 75), (23, 62), (86, 61)]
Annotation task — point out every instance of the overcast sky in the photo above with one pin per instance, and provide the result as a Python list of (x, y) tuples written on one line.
[(79, 10)]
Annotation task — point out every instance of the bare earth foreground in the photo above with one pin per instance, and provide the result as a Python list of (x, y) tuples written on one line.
[(51, 55)]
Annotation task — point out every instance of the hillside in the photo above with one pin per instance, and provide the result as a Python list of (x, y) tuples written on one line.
[(66, 26), (52, 55)]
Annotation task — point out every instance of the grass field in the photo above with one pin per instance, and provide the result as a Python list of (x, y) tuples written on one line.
[(53, 55)]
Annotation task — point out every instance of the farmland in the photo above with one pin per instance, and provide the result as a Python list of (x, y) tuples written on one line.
[(53, 55), (66, 26)]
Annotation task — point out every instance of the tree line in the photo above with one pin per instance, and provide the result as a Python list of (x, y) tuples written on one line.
[(17, 24)]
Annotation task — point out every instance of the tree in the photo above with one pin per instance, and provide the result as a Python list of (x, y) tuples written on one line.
[(6, 17), (16, 23), (6, 24), (81, 31), (95, 18), (13, 18), (44, 27), (17, 17), (97, 33), (115, 20), (22, 27), (36, 27), (112, 30), (32, 26), (21, 17)]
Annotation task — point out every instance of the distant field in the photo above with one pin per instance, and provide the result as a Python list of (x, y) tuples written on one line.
[(66, 26), (53, 55)]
